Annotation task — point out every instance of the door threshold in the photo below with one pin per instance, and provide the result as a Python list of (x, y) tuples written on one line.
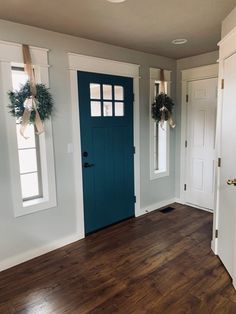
[(106, 227)]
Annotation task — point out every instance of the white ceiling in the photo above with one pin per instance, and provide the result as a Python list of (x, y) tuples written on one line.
[(145, 25)]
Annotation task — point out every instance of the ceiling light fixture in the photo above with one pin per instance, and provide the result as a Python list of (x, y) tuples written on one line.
[(116, 1), (179, 41)]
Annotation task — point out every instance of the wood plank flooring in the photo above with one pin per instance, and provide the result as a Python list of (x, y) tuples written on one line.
[(157, 263)]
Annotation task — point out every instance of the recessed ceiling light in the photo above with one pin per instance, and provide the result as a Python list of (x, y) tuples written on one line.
[(116, 1), (179, 41)]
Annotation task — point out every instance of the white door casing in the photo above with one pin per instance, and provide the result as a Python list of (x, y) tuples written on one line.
[(190, 76), (200, 150), (77, 63), (227, 194)]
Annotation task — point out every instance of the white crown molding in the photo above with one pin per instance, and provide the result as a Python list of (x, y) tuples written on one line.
[(227, 48), (227, 36), (12, 52), (199, 73), (155, 74), (10, 43), (104, 66)]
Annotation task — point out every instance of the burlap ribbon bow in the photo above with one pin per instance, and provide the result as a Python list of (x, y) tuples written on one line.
[(30, 104)]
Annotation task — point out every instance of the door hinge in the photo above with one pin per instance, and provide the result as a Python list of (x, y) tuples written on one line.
[(185, 187), (216, 233), (186, 144), (222, 84), (133, 97), (134, 149), (135, 198), (219, 162), (187, 98)]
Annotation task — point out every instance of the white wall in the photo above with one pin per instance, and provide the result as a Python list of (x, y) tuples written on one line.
[(183, 64), (19, 235)]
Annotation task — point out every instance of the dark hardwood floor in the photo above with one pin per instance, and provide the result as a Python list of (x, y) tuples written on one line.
[(157, 263)]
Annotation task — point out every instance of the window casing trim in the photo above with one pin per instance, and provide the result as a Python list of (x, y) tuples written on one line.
[(11, 55), (155, 77)]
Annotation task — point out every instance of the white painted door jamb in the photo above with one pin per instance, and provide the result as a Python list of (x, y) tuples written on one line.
[(77, 63)]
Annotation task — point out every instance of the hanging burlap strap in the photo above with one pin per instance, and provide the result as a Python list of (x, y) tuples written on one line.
[(162, 81), (30, 103)]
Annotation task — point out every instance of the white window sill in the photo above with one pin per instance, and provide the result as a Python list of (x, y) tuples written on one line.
[(158, 174), (35, 201), (32, 206)]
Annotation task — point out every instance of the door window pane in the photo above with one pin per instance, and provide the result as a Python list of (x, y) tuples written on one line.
[(107, 109), (107, 92), (119, 109), (95, 108), (29, 141), (119, 93), (95, 91), (28, 160), (29, 185)]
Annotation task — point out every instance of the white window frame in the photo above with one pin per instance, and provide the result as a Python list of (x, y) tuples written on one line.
[(155, 77), (11, 54)]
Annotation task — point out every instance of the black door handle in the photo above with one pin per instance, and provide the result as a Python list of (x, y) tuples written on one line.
[(87, 165)]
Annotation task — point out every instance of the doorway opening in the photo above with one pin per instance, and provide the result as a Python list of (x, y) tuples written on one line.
[(198, 138), (106, 125)]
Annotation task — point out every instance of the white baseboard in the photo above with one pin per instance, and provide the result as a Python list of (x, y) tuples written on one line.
[(178, 200), (26, 256), (155, 206), (214, 246), (234, 283)]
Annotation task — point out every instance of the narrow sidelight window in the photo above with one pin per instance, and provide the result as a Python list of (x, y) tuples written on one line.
[(28, 149), (160, 139)]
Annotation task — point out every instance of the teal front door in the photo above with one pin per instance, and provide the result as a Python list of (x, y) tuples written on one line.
[(106, 120)]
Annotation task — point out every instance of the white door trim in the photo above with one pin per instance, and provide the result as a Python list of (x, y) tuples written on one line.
[(77, 63), (199, 73)]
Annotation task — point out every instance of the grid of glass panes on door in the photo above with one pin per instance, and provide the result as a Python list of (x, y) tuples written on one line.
[(106, 100), (28, 149)]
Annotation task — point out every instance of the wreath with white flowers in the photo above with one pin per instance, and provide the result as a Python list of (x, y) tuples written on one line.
[(162, 109), (43, 101)]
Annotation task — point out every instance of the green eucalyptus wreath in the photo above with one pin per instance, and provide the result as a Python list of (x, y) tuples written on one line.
[(162, 108), (43, 98)]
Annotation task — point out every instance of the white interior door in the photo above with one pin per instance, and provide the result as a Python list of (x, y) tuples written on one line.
[(200, 153), (227, 193)]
